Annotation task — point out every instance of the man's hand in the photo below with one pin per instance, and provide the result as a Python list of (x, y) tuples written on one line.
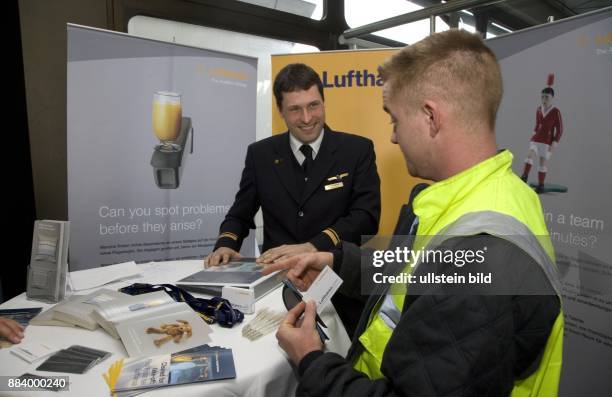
[(298, 336), (303, 269), (221, 255), (11, 330), (285, 251)]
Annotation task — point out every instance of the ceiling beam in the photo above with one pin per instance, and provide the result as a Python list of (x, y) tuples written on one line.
[(442, 8), (561, 7)]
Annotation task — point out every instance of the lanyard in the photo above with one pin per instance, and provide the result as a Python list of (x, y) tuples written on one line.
[(214, 310)]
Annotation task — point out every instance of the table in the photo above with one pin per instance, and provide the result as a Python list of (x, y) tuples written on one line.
[(262, 367)]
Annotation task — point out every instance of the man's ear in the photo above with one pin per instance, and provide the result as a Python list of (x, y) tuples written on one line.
[(433, 113)]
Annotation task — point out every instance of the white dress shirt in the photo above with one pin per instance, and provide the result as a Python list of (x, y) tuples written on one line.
[(296, 144)]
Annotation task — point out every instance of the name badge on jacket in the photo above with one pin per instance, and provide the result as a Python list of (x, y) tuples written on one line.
[(333, 186)]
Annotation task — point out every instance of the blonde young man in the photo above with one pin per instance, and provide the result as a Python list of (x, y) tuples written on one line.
[(442, 95)]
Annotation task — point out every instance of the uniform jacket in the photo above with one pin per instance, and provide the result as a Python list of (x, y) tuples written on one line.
[(340, 200)]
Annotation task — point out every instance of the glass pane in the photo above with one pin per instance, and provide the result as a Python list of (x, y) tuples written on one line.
[(299, 48), (362, 12), (307, 8)]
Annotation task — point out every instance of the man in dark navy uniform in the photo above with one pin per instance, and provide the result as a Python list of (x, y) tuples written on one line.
[(315, 186)]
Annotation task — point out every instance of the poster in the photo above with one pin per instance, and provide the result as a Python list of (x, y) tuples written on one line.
[(578, 53), (157, 135)]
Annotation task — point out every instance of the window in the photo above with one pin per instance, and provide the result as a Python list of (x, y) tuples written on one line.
[(363, 12), (307, 8)]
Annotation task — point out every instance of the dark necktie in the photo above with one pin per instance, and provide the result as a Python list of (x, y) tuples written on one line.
[(307, 152)]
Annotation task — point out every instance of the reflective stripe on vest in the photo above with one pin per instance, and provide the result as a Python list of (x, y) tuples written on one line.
[(385, 316)]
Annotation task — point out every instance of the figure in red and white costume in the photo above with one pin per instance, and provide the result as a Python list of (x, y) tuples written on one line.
[(547, 133)]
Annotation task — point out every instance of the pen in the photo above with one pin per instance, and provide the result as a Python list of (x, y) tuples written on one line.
[(319, 322), (139, 306), (297, 293)]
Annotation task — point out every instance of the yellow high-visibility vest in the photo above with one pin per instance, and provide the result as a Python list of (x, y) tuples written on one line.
[(487, 198)]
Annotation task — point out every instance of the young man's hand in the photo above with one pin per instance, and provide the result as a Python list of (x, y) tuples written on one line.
[(303, 269), (298, 336)]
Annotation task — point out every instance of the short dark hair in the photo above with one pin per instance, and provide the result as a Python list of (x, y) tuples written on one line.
[(294, 77), (549, 91)]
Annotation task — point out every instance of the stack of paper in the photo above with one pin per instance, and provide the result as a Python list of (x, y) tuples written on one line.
[(152, 323), (108, 314), (243, 273), (79, 311), (96, 277), (46, 317), (74, 360), (31, 351)]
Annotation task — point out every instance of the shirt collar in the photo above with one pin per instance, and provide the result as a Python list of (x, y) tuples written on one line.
[(296, 144)]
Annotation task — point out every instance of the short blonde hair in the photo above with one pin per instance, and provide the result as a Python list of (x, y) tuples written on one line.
[(455, 66)]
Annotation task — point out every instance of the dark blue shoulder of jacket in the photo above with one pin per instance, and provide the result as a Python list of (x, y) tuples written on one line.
[(341, 138), (271, 142)]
